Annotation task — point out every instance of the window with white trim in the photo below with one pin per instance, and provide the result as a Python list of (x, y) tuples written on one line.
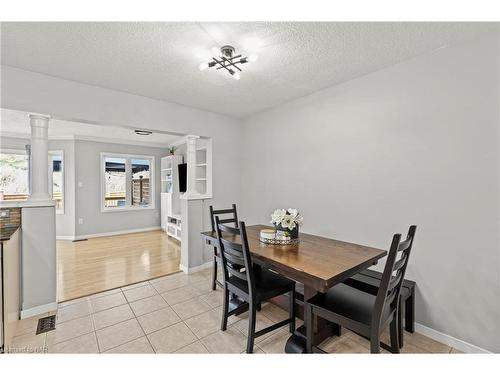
[(56, 179), (14, 175), (127, 182)]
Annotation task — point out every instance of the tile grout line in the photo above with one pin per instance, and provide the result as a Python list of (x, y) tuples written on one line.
[(143, 331), (119, 287), (92, 313), (93, 326), (123, 343), (197, 339), (94, 331), (112, 307), (201, 296)]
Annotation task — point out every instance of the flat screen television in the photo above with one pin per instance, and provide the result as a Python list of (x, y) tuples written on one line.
[(182, 177)]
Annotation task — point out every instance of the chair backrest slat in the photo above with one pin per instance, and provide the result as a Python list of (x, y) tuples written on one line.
[(231, 245), (236, 259), (404, 245), (400, 263), (238, 274), (390, 284), (391, 296), (225, 221), (395, 281), (223, 212), (226, 211)]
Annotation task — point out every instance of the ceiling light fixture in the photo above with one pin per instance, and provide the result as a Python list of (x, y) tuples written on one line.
[(228, 61), (143, 132)]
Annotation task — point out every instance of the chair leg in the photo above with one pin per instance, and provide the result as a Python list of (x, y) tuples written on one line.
[(375, 342), (410, 313), (309, 327), (291, 309), (401, 313), (214, 273), (394, 333), (225, 309), (252, 315)]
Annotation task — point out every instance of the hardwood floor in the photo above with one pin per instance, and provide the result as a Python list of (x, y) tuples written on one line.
[(103, 263)]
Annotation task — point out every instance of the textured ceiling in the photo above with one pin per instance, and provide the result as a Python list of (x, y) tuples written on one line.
[(160, 60), (16, 124)]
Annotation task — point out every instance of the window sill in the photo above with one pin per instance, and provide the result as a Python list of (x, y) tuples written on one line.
[(126, 209)]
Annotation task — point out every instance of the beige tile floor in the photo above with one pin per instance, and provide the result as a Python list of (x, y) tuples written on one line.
[(172, 314)]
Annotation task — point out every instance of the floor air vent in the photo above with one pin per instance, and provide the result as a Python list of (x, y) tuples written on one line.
[(46, 324)]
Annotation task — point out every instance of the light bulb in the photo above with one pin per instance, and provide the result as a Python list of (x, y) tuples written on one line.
[(203, 66), (253, 58), (236, 76)]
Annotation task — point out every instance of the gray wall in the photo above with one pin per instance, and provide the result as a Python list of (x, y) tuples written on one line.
[(416, 143), (88, 197)]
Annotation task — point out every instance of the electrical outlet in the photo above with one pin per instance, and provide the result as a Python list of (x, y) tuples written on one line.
[(80, 220), (5, 213)]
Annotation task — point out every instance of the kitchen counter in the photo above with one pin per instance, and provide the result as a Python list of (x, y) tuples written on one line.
[(26, 203), (10, 295), (8, 231)]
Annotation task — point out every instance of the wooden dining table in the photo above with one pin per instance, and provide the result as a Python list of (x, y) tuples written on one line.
[(317, 262)]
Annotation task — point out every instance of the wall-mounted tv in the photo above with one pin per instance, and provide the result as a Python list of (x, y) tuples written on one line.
[(182, 177)]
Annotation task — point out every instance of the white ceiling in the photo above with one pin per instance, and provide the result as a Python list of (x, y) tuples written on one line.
[(16, 124), (160, 60)]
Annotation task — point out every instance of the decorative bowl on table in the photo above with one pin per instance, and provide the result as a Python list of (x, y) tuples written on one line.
[(286, 224)]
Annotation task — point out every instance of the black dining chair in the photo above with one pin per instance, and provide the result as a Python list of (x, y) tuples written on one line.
[(364, 313), (253, 286), (233, 219)]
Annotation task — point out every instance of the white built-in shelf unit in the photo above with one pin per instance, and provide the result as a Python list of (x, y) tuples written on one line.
[(170, 195), (203, 170)]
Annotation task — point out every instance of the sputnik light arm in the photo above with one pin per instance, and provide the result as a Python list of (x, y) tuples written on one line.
[(228, 61)]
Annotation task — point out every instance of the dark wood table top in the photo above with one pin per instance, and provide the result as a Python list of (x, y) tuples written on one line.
[(317, 262)]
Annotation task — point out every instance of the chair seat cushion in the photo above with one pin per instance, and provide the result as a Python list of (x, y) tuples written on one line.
[(350, 303), (267, 284)]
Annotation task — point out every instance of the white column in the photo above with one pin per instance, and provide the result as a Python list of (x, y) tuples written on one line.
[(191, 164), (39, 158)]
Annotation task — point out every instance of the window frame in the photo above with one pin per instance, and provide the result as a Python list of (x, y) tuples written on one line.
[(19, 151), (59, 211), (128, 177)]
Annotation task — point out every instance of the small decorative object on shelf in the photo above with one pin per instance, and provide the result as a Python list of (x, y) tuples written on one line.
[(171, 150)]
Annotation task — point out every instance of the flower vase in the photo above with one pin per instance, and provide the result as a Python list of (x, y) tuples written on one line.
[(283, 234)]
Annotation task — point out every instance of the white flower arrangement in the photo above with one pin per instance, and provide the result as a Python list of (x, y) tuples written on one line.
[(288, 219)]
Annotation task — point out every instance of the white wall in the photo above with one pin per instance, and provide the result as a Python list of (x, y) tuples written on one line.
[(416, 143)]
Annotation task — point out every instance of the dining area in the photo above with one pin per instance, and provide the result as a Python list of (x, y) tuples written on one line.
[(325, 283)]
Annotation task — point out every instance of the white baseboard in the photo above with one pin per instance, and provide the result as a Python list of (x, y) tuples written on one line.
[(449, 340), (65, 238), (116, 233), (38, 310), (197, 268)]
